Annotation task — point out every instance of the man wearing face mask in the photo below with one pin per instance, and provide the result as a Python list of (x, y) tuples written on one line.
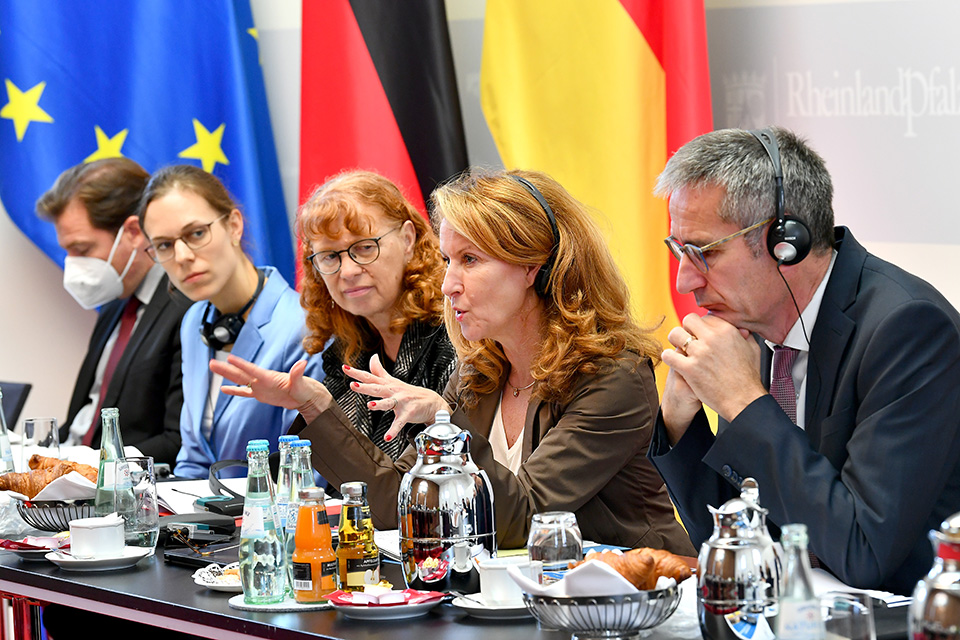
[(133, 360)]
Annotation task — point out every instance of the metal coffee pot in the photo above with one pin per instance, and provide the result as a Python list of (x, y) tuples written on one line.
[(935, 609), (738, 572), (445, 511)]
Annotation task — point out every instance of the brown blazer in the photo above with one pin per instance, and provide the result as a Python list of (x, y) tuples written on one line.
[(587, 455)]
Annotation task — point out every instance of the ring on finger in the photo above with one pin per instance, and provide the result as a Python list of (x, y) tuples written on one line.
[(683, 348)]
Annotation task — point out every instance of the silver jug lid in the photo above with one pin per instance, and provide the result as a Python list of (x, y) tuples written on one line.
[(443, 438)]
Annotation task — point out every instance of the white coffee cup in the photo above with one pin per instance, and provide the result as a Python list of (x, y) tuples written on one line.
[(96, 537), (496, 585)]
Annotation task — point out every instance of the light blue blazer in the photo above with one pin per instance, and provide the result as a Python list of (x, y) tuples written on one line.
[(271, 338)]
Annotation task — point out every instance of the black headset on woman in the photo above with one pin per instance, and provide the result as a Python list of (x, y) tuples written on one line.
[(542, 281)]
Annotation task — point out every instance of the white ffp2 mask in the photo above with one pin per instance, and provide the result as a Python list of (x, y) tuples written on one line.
[(92, 281)]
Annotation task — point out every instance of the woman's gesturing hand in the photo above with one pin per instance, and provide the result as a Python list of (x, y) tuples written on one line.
[(288, 390), (410, 404)]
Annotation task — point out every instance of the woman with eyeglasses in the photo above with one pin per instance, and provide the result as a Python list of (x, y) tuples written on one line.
[(372, 280), (195, 230), (555, 381)]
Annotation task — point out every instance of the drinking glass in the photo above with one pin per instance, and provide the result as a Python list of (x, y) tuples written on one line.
[(848, 615), (40, 436), (555, 540), (135, 496)]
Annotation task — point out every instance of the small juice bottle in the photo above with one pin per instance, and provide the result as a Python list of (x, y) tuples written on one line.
[(314, 562)]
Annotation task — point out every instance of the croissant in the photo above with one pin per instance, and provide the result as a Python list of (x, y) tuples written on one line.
[(44, 462), (642, 567), (667, 565), (30, 483), (636, 568)]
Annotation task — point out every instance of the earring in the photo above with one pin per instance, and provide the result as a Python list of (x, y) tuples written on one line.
[(236, 243)]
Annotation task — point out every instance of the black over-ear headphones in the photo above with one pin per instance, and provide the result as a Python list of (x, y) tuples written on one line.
[(225, 329), (542, 280), (788, 240)]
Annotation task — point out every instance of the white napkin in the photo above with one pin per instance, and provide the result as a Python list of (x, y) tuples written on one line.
[(590, 579)]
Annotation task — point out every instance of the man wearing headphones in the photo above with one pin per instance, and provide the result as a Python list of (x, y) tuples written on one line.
[(858, 435), (133, 360)]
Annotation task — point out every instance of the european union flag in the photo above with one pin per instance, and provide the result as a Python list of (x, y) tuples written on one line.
[(157, 81)]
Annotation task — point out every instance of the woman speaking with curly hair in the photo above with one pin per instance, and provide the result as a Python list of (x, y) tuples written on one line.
[(555, 381)]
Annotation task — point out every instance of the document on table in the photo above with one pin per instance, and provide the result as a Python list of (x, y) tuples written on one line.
[(179, 495), (824, 582)]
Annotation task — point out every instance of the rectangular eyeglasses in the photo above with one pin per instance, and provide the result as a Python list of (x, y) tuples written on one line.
[(696, 254)]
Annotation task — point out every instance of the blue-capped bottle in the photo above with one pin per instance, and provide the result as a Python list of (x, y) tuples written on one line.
[(284, 478), (262, 572), (301, 477)]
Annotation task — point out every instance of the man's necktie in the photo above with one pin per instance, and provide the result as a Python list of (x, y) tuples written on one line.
[(127, 320), (781, 384)]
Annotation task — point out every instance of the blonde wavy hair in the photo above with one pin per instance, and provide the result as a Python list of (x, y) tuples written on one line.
[(586, 310), (331, 209)]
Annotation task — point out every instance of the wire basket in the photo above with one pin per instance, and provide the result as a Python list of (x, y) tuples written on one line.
[(54, 515), (605, 617)]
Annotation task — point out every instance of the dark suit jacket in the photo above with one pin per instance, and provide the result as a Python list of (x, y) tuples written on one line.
[(146, 383), (586, 455), (878, 464)]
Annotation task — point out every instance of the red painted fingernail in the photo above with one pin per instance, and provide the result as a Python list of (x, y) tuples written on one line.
[(346, 367), (371, 404), (388, 438)]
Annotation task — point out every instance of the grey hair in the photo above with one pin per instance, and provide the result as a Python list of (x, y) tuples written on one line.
[(734, 160)]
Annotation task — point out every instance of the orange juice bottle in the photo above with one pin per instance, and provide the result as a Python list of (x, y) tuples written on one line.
[(314, 562)]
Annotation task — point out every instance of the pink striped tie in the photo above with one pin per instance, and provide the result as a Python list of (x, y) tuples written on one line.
[(781, 385)]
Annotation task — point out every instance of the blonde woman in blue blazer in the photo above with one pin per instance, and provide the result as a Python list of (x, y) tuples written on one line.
[(195, 231)]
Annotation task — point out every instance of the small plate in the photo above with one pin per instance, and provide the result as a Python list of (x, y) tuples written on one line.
[(32, 555), (475, 607), (386, 612), (212, 578), (130, 557)]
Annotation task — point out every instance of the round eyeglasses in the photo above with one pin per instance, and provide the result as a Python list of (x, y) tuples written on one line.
[(196, 237), (696, 254), (362, 252)]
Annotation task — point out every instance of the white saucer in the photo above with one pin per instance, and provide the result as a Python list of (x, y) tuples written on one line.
[(30, 554), (476, 607), (387, 612), (130, 557), (212, 578)]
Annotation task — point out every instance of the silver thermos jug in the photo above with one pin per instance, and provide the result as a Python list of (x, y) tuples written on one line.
[(935, 609), (738, 571), (445, 509)]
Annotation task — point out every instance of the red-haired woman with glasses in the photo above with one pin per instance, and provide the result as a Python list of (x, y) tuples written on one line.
[(373, 271)]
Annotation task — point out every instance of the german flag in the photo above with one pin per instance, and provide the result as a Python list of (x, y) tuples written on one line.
[(379, 93), (597, 94)]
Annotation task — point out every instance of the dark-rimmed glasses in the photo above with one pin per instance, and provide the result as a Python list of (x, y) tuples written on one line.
[(362, 252), (197, 237), (696, 254)]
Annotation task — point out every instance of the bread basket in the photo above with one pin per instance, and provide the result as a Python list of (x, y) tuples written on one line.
[(605, 617), (54, 515)]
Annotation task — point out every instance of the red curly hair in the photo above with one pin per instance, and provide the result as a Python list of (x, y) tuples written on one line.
[(331, 209)]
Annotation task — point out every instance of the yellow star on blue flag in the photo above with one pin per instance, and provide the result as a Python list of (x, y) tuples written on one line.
[(107, 147), (208, 148), (23, 107)]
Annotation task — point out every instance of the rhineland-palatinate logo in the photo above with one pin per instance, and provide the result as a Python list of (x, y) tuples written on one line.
[(746, 100)]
